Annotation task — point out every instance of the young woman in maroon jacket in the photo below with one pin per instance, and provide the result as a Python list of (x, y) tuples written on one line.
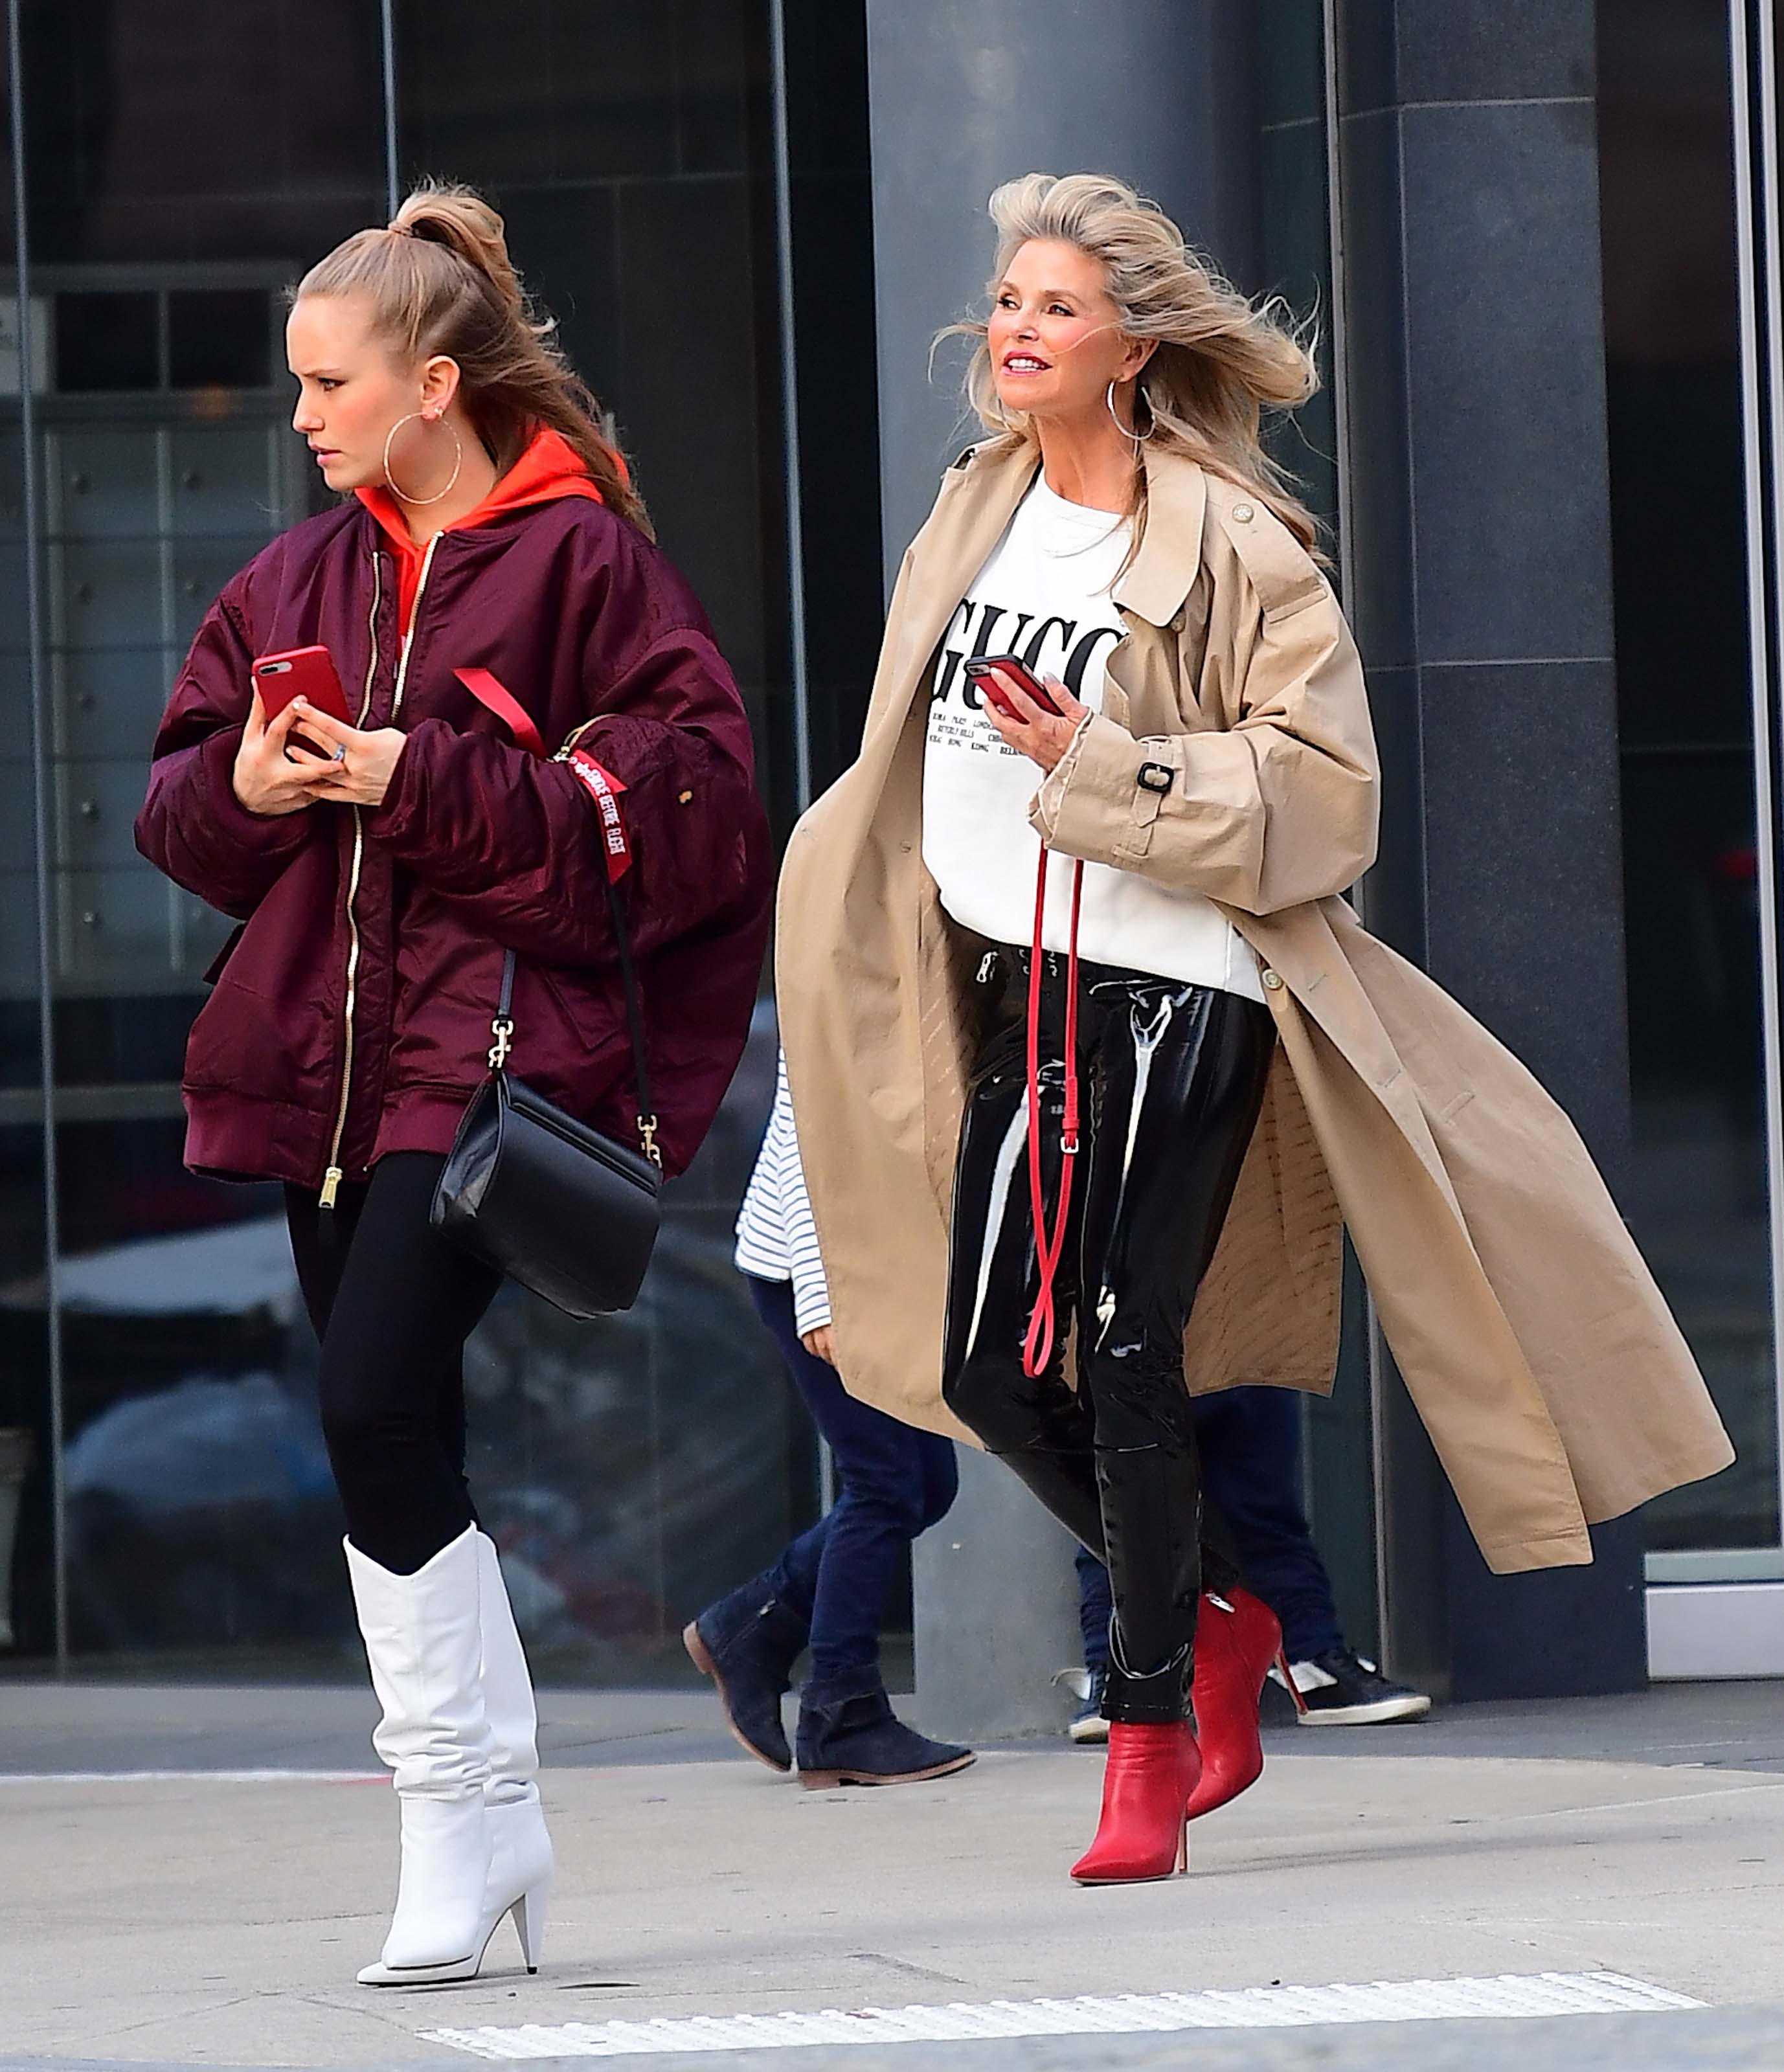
[(491, 575)]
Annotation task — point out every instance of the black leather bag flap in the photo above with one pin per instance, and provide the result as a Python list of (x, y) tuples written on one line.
[(564, 1210)]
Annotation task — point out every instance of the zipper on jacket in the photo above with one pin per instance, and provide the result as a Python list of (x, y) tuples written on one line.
[(414, 619), (332, 1178)]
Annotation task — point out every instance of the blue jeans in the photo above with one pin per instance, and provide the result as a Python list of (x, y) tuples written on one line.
[(894, 1481), (1250, 1442)]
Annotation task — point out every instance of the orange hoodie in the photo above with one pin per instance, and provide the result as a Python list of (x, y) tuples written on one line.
[(549, 468)]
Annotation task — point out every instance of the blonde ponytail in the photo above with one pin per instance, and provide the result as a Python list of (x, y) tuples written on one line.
[(462, 221), (439, 280)]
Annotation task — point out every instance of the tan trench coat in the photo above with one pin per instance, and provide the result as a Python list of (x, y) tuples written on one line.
[(1553, 1381)]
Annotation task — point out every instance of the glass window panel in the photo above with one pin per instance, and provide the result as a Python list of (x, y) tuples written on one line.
[(1696, 1196), (155, 136), (107, 341), (203, 1529), (178, 180), (219, 337), (27, 1591), (838, 382)]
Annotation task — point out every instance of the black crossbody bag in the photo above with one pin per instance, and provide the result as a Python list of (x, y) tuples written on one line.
[(567, 1212)]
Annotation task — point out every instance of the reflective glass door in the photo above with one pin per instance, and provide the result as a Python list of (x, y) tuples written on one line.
[(174, 1512), (1688, 162)]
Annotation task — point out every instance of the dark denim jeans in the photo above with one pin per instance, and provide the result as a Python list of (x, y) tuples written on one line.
[(893, 1481), (1250, 1442)]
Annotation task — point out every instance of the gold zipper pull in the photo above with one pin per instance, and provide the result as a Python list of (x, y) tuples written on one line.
[(331, 1186)]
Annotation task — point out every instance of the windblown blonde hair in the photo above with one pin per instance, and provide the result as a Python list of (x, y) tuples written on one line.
[(439, 280), (1220, 362)]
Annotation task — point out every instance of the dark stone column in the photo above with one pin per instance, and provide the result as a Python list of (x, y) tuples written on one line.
[(1479, 553)]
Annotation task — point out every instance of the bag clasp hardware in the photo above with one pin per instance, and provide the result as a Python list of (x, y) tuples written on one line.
[(502, 1028), (646, 1132)]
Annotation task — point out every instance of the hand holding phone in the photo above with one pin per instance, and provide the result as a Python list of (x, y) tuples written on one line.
[(1042, 734), (267, 779), (305, 673), (979, 668)]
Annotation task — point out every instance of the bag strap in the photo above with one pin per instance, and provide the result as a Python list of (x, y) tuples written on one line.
[(647, 1110), (491, 692), (502, 1028), (488, 691), (1038, 1341)]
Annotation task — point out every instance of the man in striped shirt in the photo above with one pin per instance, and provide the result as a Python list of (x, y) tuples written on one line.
[(829, 1590)]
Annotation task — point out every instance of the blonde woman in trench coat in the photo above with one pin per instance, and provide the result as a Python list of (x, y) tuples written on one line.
[(1227, 758)]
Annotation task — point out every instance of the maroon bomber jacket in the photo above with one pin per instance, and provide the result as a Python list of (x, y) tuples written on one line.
[(351, 1011)]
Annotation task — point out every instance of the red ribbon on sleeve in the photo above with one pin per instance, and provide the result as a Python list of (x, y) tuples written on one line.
[(604, 788)]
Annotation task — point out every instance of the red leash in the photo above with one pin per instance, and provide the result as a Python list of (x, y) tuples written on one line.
[(1037, 1346)]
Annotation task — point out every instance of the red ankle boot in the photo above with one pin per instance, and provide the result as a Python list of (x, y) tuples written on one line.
[(1147, 1780), (1234, 1649)]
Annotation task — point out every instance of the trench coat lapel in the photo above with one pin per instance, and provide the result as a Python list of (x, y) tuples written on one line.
[(1164, 568), (979, 498)]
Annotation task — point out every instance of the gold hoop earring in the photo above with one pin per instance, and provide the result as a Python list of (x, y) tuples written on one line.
[(458, 460), (1127, 432)]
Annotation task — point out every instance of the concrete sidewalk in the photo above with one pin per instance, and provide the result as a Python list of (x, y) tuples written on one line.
[(195, 1919)]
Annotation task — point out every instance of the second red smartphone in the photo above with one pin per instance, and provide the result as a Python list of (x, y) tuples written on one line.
[(980, 667)]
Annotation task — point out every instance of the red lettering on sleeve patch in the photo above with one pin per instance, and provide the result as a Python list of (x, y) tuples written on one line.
[(605, 788)]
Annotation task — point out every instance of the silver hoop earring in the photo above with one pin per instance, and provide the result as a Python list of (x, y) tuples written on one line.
[(1139, 438), (458, 460)]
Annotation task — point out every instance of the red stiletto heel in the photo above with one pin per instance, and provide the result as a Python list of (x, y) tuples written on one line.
[(1147, 1782), (1237, 1638), (1288, 1683)]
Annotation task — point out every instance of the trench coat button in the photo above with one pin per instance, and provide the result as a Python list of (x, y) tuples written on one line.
[(1272, 980), (1243, 514)]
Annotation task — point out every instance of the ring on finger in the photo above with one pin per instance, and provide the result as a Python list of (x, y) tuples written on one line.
[(340, 752)]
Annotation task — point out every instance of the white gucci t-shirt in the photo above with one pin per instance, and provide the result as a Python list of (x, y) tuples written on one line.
[(1044, 596)]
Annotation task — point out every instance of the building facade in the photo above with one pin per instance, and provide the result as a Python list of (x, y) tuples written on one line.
[(1542, 245)]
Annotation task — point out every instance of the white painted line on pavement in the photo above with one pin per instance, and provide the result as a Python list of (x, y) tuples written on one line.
[(195, 1776), (1623, 1805), (1258, 2007)]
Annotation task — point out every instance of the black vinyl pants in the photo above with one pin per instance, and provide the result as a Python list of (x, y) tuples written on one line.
[(1173, 1078), (392, 1303)]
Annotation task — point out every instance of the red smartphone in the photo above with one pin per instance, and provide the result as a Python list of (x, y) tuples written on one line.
[(306, 672), (980, 667)]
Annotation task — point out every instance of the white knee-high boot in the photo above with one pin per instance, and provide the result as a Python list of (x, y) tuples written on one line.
[(520, 1863), (424, 1641)]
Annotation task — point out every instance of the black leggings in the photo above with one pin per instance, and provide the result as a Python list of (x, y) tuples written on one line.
[(392, 1304), (1173, 1078)]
